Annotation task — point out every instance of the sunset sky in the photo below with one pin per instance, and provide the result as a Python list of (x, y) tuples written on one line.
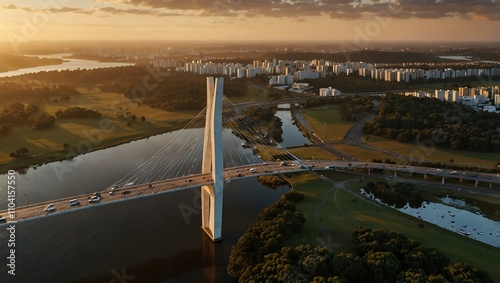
[(228, 20)]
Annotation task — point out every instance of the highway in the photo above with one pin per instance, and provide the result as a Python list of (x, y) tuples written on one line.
[(130, 192)]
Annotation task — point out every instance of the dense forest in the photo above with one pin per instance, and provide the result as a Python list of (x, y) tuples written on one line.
[(183, 91), (355, 84), (378, 255), (411, 119), (29, 90), (359, 56)]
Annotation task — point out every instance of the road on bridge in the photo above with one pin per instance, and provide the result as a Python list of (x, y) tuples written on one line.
[(131, 191)]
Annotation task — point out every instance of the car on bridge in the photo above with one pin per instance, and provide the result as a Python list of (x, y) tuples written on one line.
[(253, 170), (50, 208), (2, 219), (94, 199), (74, 202)]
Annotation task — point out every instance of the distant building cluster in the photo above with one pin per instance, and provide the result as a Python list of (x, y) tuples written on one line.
[(287, 72), (166, 63), (405, 75), (483, 98), (329, 92), (281, 72)]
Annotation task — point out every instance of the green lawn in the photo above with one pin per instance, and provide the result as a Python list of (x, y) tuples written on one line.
[(362, 154), (435, 154), (85, 135), (352, 211), (253, 93), (312, 152), (327, 122)]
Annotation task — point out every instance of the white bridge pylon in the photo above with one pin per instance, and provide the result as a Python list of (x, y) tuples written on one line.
[(213, 161)]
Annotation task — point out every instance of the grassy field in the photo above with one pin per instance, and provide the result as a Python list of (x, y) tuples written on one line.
[(352, 211), (327, 122), (260, 93), (84, 135), (253, 93), (435, 154), (362, 154), (312, 152)]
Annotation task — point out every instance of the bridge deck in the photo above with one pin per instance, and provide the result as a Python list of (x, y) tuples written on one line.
[(125, 193)]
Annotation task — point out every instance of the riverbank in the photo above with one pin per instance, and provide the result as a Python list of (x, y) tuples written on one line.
[(45, 157), (345, 209), (16, 62)]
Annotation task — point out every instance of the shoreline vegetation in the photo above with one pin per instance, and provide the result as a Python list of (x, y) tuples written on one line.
[(34, 161), (16, 62), (267, 252)]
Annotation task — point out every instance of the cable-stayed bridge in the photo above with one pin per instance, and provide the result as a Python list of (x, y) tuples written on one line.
[(220, 144)]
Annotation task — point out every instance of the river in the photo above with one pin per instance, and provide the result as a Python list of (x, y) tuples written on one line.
[(153, 239), (68, 64), (457, 216)]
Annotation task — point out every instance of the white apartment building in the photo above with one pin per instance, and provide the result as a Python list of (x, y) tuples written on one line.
[(329, 92)]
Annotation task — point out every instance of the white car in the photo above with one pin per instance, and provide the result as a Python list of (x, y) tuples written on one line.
[(50, 208), (253, 170), (94, 199), (74, 202)]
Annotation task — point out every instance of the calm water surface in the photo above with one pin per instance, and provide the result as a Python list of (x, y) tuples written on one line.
[(452, 216), (150, 238), (68, 64)]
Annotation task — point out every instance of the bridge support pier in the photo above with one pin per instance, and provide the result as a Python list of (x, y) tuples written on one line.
[(476, 184), (425, 176), (212, 195), (442, 180)]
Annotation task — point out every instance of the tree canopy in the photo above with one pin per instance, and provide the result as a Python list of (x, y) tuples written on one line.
[(451, 125), (378, 255)]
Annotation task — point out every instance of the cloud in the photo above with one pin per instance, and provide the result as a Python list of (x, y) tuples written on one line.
[(98, 11), (343, 9), (296, 9)]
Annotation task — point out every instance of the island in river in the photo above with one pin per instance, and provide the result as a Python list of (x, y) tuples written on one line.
[(16, 62)]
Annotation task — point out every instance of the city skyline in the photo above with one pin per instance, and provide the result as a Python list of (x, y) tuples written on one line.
[(359, 21)]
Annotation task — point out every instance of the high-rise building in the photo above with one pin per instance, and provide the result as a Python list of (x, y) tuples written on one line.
[(497, 100)]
